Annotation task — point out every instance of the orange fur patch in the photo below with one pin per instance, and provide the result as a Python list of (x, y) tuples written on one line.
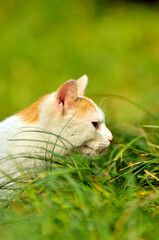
[(84, 105), (31, 114)]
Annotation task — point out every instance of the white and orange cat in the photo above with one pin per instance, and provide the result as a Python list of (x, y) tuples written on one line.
[(65, 112)]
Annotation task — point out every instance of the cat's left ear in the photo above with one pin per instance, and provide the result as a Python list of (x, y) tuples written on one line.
[(81, 85), (67, 93)]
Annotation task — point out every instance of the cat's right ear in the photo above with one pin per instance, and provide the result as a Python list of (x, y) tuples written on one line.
[(67, 94), (81, 85)]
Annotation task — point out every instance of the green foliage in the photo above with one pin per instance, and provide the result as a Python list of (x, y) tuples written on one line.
[(44, 43), (114, 196)]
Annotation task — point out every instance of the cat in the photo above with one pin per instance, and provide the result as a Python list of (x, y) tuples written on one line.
[(65, 114)]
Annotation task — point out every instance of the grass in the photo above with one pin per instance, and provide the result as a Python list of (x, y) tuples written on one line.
[(114, 196)]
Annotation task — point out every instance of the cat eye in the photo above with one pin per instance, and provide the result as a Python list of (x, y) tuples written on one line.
[(95, 124)]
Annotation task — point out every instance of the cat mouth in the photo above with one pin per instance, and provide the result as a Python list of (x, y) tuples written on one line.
[(87, 147), (100, 151), (90, 151)]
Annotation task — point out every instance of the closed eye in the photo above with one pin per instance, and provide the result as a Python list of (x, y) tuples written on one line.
[(95, 124)]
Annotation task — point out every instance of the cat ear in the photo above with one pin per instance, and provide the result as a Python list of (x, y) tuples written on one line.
[(81, 85), (67, 93)]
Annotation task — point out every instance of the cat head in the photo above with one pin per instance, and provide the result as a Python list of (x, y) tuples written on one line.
[(77, 118)]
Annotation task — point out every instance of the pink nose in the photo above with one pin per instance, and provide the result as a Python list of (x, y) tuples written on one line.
[(111, 140)]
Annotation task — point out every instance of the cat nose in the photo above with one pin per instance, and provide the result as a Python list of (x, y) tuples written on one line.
[(110, 139)]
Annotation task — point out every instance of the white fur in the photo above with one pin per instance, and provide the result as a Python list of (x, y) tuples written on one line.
[(80, 133)]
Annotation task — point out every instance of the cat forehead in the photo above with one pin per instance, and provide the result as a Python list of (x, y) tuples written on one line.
[(86, 108), (85, 104)]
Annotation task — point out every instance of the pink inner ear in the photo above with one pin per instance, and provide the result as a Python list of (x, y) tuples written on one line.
[(62, 94), (67, 92)]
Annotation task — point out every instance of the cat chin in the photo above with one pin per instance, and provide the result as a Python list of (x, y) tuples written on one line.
[(90, 151), (94, 154)]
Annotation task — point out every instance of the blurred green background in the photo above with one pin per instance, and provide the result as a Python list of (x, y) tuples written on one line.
[(46, 42)]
